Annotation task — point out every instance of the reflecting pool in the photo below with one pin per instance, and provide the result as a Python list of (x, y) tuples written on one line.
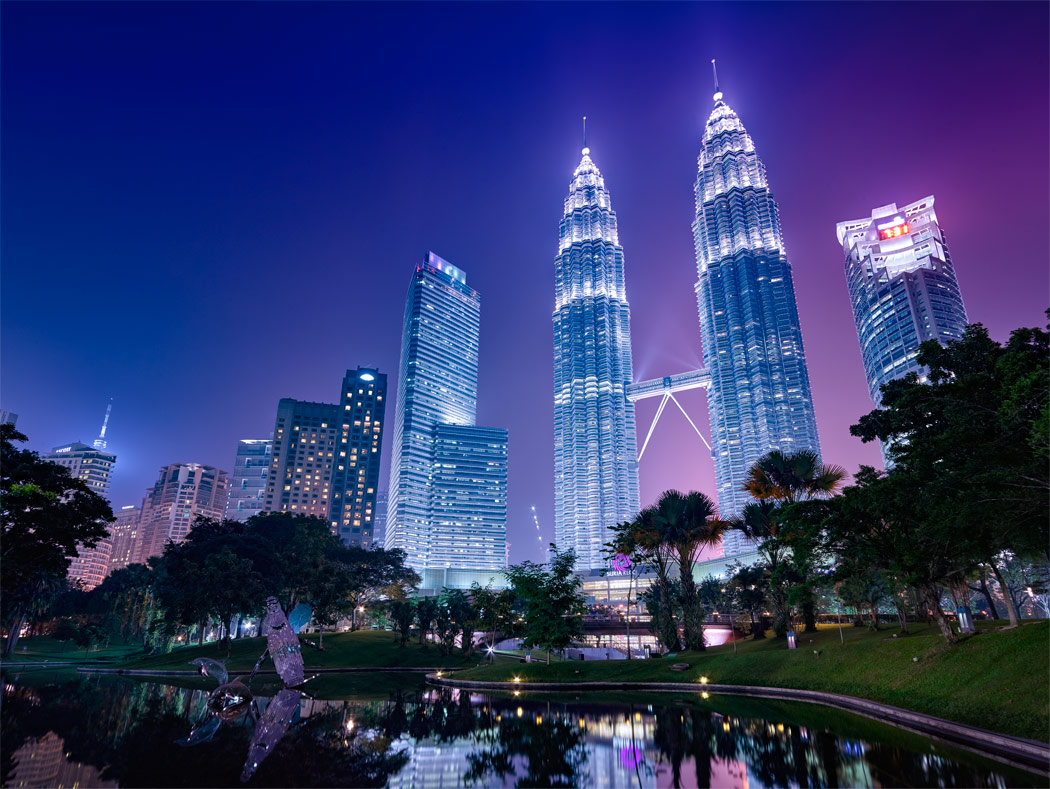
[(106, 731)]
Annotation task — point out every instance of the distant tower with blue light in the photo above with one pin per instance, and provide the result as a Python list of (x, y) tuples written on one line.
[(595, 463), (759, 397), (447, 505)]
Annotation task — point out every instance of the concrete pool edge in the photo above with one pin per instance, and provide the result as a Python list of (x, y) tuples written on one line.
[(1026, 754)]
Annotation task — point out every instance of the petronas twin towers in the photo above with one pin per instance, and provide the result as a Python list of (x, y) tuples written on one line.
[(758, 385)]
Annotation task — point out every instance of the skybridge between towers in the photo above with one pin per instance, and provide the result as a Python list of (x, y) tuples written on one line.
[(666, 387)]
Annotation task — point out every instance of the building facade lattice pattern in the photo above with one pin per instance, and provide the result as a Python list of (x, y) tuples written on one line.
[(759, 398), (595, 451)]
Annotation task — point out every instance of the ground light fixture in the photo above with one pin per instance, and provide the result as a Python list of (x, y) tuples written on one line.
[(703, 680), (705, 695)]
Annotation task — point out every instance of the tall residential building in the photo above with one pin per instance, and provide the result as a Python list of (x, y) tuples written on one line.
[(8, 417), (902, 287), (326, 457), (124, 533), (182, 492), (759, 398), (248, 481), (93, 467), (595, 450), (436, 514)]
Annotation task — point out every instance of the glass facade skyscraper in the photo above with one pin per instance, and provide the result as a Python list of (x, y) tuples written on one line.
[(902, 288), (248, 481), (595, 451), (448, 478), (759, 398)]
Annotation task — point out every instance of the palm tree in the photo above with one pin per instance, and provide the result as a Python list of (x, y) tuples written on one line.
[(776, 480), (787, 478), (674, 531), (651, 542), (691, 525)]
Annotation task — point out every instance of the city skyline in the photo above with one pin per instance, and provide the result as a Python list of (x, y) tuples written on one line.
[(141, 246)]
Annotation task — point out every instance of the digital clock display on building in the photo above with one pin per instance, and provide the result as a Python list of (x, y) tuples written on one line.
[(893, 232)]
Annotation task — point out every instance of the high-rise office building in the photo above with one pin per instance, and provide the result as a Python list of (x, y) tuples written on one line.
[(248, 481), (124, 533), (8, 417), (326, 457), (759, 397), (595, 450), (902, 287), (379, 535), (434, 513), (182, 492), (94, 468), (468, 498)]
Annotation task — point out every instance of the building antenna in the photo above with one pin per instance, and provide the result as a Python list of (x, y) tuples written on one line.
[(100, 442), (714, 70), (585, 148)]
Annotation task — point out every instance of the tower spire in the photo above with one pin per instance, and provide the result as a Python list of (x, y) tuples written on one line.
[(586, 150), (718, 90), (100, 442)]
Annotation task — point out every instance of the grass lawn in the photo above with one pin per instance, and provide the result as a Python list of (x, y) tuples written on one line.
[(32, 650), (997, 680), (361, 649)]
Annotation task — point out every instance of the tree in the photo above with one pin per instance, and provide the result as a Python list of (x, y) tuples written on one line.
[(972, 440), (554, 602), (426, 613), (127, 595), (785, 479), (495, 610), (790, 477), (403, 613), (649, 537), (746, 591), (463, 617), (45, 517), (760, 522), (881, 523), (624, 542), (240, 590)]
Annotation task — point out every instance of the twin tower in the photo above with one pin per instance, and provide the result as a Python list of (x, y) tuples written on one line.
[(758, 384)]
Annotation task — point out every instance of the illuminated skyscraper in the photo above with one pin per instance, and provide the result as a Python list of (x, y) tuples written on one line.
[(326, 457), (595, 462), (759, 398), (182, 492), (448, 478), (94, 468), (248, 481), (902, 287)]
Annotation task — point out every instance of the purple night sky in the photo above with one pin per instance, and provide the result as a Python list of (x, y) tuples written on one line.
[(207, 207)]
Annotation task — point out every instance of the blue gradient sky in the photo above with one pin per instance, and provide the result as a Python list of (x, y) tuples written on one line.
[(207, 207)]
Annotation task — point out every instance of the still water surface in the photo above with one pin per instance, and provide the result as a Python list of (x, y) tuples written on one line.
[(64, 729)]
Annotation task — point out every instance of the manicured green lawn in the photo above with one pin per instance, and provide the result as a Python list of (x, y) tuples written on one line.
[(31, 650), (364, 648), (997, 680)]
